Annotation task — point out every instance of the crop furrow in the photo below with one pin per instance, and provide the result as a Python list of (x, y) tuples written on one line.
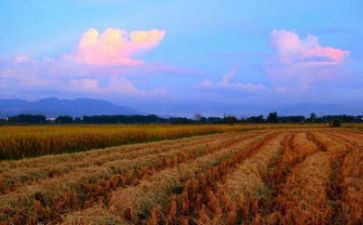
[(229, 200), (136, 204), (305, 197), (16, 178), (347, 193), (198, 194), (297, 147), (45, 202), (81, 157)]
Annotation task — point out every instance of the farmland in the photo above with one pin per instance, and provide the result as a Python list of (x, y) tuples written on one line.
[(259, 176), (29, 141)]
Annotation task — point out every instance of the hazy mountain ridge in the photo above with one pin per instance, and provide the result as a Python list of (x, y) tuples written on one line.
[(53, 107)]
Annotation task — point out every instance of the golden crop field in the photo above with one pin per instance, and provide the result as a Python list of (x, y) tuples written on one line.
[(267, 176), (29, 141)]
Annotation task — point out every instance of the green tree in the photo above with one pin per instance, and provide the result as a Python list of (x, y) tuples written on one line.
[(272, 117), (230, 120), (312, 117), (64, 119)]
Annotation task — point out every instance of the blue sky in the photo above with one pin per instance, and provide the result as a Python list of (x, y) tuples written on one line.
[(186, 57)]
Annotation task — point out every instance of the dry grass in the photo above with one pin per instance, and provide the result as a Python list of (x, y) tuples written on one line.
[(239, 196), (303, 197), (351, 180), (82, 187), (307, 197), (197, 195), (352, 173), (284, 176), (134, 203), (15, 174)]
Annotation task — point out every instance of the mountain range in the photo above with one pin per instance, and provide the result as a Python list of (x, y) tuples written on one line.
[(53, 107)]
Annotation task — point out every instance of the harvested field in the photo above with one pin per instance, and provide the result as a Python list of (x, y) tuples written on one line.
[(267, 176), (29, 141), (23, 141)]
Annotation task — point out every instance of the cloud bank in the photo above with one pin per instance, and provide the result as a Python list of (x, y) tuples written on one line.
[(109, 65), (293, 49), (102, 64), (298, 64), (115, 46)]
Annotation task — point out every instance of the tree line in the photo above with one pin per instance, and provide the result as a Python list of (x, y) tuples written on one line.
[(272, 117)]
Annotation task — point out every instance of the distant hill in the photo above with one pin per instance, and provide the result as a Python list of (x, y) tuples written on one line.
[(320, 109), (53, 107)]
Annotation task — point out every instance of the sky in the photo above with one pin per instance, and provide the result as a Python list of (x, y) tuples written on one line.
[(186, 57)]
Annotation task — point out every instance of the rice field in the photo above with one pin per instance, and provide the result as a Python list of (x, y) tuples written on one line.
[(29, 141), (264, 176)]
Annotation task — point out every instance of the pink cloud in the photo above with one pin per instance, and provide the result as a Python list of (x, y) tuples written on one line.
[(114, 46), (58, 76), (291, 48), (299, 64)]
